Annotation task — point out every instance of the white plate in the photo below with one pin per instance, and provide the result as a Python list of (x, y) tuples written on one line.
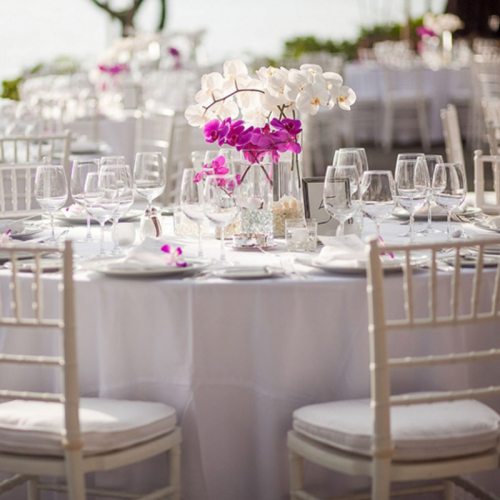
[(116, 267), (348, 266), (247, 273), (82, 219), (27, 231), (402, 214)]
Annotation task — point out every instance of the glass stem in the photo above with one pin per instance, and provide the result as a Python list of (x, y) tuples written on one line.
[(89, 234), (448, 224), (429, 217), (222, 244), (200, 247), (114, 231), (51, 215), (412, 229), (102, 238), (341, 229), (377, 226)]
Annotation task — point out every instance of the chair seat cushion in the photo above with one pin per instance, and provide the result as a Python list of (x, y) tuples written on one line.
[(33, 427), (419, 432)]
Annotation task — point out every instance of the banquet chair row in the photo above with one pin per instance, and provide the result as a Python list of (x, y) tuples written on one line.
[(60, 433), (166, 131), (434, 435)]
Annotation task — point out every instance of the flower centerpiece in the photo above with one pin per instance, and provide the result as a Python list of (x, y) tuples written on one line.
[(442, 26), (259, 115)]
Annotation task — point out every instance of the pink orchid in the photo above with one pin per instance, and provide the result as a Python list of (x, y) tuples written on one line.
[(5, 238), (175, 256), (390, 254)]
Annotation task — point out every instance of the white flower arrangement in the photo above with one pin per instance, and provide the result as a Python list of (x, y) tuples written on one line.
[(442, 22)]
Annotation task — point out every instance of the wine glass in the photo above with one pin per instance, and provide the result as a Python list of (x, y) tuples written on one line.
[(412, 187), (51, 190), (221, 204), (377, 195), (191, 200), (449, 186), (101, 199), (125, 195), (79, 173), (198, 159), (149, 176), (113, 160), (432, 161), (351, 156), (341, 193), (210, 156)]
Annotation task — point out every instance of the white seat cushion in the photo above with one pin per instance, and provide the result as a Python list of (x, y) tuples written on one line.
[(419, 432), (33, 427)]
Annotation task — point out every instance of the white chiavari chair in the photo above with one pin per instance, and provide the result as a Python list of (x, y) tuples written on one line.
[(62, 434), (452, 136), (17, 184), (166, 131), (488, 201), (436, 435)]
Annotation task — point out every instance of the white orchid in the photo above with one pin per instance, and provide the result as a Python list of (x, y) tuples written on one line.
[(226, 108), (346, 97), (252, 97), (198, 116), (312, 97), (255, 117), (297, 80), (235, 75), (211, 88), (312, 69)]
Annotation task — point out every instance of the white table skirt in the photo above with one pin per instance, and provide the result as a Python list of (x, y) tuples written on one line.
[(235, 359)]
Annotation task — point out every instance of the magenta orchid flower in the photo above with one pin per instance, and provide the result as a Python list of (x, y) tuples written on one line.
[(215, 130), (390, 254), (293, 127), (175, 257)]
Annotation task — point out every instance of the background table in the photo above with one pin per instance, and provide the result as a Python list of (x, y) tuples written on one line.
[(235, 359)]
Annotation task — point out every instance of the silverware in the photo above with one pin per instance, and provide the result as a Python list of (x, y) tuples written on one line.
[(290, 270)]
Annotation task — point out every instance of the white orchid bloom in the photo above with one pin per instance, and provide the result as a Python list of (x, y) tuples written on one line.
[(313, 69), (235, 74), (297, 80), (312, 97), (211, 88), (346, 97), (198, 116), (252, 97), (226, 109), (333, 83), (255, 117), (274, 82)]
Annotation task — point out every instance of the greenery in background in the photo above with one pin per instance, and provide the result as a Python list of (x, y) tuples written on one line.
[(62, 65), (367, 37)]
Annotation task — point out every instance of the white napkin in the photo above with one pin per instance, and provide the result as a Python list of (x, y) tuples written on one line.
[(16, 226), (349, 248), (148, 254)]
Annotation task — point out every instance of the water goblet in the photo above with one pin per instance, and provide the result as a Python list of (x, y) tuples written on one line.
[(149, 176), (112, 160), (79, 172), (191, 201), (341, 193), (348, 156), (51, 190), (101, 199), (221, 204), (432, 161), (377, 195), (449, 186), (412, 187)]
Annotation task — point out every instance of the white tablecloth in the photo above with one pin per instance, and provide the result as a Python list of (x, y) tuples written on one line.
[(235, 359)]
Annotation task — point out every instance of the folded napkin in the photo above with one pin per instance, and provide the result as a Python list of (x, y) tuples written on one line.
[(154, 253), (344, 248), (15, 226)]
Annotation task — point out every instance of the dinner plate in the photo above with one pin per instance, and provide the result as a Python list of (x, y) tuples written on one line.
[(82, 219), (422, 215), (27, 231), (349, 266), (119, 268), (247, 273)]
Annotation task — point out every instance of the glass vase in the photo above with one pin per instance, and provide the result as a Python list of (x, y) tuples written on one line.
[(287, 192)]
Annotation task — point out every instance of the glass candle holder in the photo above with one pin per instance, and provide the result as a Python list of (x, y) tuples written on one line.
[(301, 235)]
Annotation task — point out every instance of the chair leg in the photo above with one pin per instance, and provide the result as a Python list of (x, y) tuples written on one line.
[(175, 470), (449, 490), (75, 475), (296, 468), (381, 479), (423, 125), (33, 491)]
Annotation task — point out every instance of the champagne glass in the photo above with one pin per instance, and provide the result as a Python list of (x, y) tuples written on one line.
[(449, 186), (221, 204), (101, 199), (51, 190), (412, 187), (432, 161), (341, 193), (125, 195), (149, 176), (377, 195), (351, 156), (79, 172), (192, 201)]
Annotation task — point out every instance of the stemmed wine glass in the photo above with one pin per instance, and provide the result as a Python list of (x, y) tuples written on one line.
[(412, 187), (449, 186), (377, 195), (341, 193), (221, 204), (125, 195), (149, 176), (432, 161), (192, 201), (80, 170), (51, 190), (101, 199), (351, 156), (113, 160)]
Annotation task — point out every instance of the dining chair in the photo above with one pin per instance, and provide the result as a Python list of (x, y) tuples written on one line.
[(63, 434), (452, 135), (433, 435), (166, 131), (17, 188), (488, 201)]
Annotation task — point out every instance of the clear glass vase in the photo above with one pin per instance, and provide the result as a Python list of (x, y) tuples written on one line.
[(287, 192)]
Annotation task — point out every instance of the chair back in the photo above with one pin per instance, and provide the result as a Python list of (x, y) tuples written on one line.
[(26, 311), (17, 187), (412, 318), (452, 136), (479, 163)]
